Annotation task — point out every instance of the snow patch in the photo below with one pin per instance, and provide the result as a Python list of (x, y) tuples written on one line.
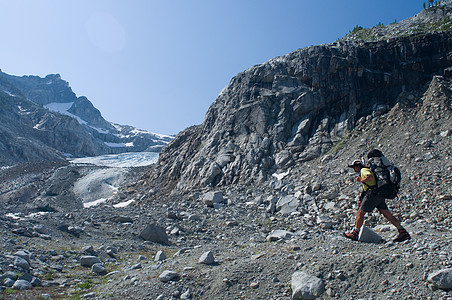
[(281, 175), (63, 108), (94, 203), (123, 204), (119, 145)]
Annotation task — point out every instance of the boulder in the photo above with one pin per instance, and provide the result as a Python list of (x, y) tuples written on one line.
[(212, 198), (306, 286), (287, 205), (367, 235), (22, 285), (442, 279), (277, 235), (155, 234), (168, 276), (89, 260), (99, 269), (207, 258), (160, 256), (22, 263)]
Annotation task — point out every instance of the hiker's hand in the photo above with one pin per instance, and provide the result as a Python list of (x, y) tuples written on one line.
[(358, 179), (359, 203)]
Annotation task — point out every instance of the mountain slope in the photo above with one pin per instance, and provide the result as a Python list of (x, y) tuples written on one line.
[(43, 119), (294, 108)]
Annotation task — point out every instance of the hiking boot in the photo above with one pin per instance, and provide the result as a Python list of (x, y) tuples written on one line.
[(352, 235), (403, 236)]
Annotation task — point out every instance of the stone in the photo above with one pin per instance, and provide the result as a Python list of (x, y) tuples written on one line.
[(22, 263), (287, 205), (22, 285), (99, 269), (8, 282), (186, 295), (212, 198), (306, 286), (40, 229), (168, 276), (89, 260), (325, 221), (35, 281), (367, 235), (207, 258), (122, 219), (155, 234), (160, 256), (278, 234), (442, 279), (23, 254), (89, 250)]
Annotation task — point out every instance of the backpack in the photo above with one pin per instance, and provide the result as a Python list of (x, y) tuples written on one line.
[(387, 175)]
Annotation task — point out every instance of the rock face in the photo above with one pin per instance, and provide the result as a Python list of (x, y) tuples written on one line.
[(42, 119), (293, 108)]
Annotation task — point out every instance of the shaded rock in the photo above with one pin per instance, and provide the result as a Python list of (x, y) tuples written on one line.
[(22, 285), (22, 263), (367, 235), (155, 234), (99, 269), (442, 279), (89, 260)]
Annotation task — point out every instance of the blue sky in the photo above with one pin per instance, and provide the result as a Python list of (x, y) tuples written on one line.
[(158, 65)]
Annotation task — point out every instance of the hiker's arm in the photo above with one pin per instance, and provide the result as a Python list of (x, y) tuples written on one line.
[(366, 179)]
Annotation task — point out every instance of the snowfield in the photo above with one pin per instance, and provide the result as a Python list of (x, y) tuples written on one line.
[(123, 160)]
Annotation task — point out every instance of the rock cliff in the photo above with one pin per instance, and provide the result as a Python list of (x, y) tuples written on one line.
[(294, 108)]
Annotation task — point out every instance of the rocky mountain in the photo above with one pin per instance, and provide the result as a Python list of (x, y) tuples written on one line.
[(43, 119), (297, 107)]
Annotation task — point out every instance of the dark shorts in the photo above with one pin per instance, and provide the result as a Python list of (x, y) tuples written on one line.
[(372, 200)]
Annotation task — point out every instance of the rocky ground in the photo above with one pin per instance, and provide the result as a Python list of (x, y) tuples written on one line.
[(241, 242)]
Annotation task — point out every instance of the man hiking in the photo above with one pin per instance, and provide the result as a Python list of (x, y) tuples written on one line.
[(369, 200)]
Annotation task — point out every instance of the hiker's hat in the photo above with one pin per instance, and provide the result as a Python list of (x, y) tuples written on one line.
[(356, 162)]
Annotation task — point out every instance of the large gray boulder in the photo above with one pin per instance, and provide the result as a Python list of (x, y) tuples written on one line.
[(211, 199), (442, 279), (155, 234), (306, 286), (22, 285), (168, 275), (287, 205), (207, 258), (89, 260)]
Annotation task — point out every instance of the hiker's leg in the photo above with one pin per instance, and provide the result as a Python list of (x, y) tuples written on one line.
[(359, 219), (388, 215)]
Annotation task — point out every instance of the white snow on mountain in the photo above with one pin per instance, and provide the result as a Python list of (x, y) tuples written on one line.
[(123, 160), (63, 108)]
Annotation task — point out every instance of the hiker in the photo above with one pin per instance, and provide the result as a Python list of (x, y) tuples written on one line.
[(369, 200)]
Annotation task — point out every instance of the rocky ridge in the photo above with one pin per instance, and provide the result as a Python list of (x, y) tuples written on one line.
[(295, 108)]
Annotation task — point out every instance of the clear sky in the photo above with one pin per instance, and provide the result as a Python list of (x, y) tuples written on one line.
[(159, 64)]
